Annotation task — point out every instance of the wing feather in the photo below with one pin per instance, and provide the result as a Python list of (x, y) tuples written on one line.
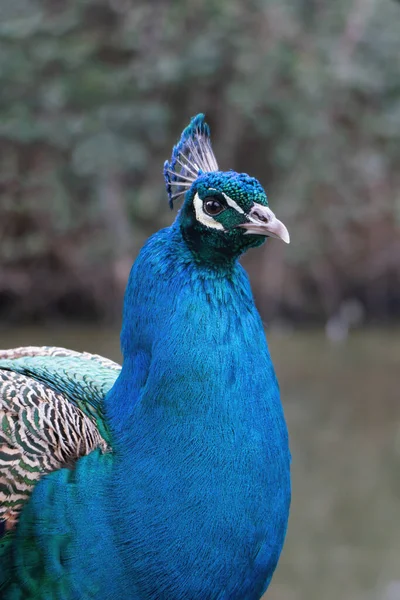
[(50, 416)]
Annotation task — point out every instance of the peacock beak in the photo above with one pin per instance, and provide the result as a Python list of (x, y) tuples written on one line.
[(262, 221)]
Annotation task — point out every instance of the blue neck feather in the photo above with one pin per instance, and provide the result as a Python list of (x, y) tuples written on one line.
[(198, 431)]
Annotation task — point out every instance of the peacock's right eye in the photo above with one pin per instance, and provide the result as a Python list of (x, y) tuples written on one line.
[(212, 206)]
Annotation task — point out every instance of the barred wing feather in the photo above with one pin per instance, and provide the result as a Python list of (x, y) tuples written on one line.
[(50, 416)]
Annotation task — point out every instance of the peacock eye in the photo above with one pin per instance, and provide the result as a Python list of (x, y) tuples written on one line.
[(212, 206)]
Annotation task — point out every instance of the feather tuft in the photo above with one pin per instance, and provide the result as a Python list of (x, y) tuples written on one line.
[(192, 156)]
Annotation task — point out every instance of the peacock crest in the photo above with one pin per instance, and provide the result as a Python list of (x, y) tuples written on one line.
[(192, 156)]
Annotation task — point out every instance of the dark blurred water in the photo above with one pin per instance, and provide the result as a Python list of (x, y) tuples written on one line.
[(343, 411)]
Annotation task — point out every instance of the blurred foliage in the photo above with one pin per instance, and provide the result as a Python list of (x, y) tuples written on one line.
[(304, 95)]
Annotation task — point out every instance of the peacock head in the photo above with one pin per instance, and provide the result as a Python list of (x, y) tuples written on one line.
[(224, 213)]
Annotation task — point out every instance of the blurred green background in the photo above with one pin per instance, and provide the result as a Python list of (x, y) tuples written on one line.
[(304, 95)]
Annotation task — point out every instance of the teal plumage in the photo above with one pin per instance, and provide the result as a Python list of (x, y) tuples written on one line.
[(185, 491)]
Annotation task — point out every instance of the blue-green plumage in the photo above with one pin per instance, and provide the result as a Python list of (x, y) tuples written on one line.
[(193, 499)]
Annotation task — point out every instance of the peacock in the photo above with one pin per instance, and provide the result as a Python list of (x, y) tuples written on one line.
[(167, 478)]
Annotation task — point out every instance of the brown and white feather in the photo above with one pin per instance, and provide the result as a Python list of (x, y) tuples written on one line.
[(40, 430)]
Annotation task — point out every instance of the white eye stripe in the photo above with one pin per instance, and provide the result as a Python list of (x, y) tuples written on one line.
[(202, 217), (233, 204), (229, 201)]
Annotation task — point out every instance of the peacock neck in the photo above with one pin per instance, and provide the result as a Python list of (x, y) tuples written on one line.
[(192, 340), (167, 276)]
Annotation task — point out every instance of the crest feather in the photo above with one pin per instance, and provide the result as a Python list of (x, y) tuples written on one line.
[(191, 157)]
